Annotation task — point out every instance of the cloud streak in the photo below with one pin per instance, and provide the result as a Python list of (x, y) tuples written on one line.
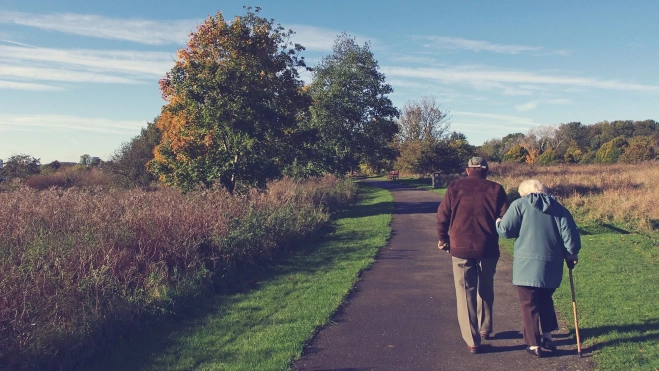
[(478, 45), (488, 78), (65, 123), (26, 68), (136, 30)]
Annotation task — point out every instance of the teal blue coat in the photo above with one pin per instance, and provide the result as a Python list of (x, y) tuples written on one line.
[(545, 233)]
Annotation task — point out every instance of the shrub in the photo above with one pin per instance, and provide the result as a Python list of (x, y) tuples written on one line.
[(610, 151), (639, 149), (547, 157), (516, 154)]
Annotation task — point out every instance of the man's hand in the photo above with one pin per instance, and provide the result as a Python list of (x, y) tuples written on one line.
[(443, 246), (497, 222), (571, 261)]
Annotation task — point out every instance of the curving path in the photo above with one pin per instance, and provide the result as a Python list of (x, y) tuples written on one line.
[(402, 314)]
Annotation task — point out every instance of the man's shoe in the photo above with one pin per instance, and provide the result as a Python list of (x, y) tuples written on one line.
[(475, 350), (548, 344), (536, 352), (485, 336)]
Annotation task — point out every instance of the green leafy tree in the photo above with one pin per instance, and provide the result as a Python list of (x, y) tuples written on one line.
[(639, 149), (351, 112), (20, 166), (128, 164), (491, 150), (610, 151), (50, 168), (516, 154), (548, 157), (454, 154), (573, 153), (233, 101)]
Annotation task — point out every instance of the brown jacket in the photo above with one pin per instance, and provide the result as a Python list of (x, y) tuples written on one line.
[(468, 213)]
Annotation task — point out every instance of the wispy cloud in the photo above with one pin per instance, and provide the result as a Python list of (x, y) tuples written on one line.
[(313, 38), (64, 123), (478, 45), (527, 106), (27, 67), (487, 77), (483, 125), (17, 85), (124, 61), (137, 30)]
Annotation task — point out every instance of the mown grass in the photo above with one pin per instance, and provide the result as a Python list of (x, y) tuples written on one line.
[(616, 286), (266, 326), (422, 183)]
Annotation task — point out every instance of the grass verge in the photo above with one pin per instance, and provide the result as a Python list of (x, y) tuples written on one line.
[(266, 326), (424, 183), (616, 286)]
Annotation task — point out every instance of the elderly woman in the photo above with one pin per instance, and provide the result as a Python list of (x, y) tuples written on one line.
[(546, 235)]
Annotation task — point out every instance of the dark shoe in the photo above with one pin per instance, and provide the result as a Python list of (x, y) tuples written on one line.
[(475, 350), (485, 336), (548, 344), (536, 352)]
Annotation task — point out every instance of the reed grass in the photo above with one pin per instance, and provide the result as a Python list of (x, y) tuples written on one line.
[(81, 267), (625, 194)]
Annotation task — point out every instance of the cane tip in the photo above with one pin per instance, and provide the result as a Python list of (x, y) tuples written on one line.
[(580, 355)]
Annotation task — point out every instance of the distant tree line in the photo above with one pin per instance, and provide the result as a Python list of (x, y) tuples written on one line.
[(623, 141)]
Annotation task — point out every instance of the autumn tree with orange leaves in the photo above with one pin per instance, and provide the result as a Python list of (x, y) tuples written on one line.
[(233, 99)]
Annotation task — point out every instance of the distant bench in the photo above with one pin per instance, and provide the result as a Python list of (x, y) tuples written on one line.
[(392, 175)]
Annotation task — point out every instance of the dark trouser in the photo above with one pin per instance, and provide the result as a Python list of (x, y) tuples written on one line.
[(537, 311)]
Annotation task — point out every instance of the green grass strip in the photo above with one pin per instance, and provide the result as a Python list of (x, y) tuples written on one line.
[(266, 327), (424, 183), (617, 295)]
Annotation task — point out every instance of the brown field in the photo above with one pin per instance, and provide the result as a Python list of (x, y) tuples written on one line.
[(618, 193)]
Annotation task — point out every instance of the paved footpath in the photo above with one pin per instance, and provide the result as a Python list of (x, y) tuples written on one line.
[(402, 313)]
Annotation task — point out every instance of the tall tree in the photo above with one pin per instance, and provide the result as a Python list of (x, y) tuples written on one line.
[(128, 163), (20, 166), (233, 98), (351, 112), (423, 120)]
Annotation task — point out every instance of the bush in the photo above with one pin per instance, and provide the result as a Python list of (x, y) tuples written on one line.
[(639, 149), (610, 151), (516, 154), (547, 157)]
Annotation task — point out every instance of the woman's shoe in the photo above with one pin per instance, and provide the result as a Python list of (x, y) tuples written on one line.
[(536, 352), (548, 344)]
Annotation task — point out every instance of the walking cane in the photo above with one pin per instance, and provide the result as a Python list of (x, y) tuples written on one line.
[(574, 309)]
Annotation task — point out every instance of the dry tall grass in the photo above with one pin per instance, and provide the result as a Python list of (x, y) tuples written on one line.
[(618, 193), (80, 266)]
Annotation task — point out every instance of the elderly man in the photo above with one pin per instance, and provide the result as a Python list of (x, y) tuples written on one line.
[(466, 228)]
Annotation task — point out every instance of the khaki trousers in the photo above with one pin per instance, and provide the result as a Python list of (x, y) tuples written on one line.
[(474, 291)]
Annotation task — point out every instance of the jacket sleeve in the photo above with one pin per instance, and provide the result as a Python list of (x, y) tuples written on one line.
[(444, 216), (569, 233), (502, 202), (511, 222)]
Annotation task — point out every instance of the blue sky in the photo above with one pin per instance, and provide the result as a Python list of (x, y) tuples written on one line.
[(80, 77)]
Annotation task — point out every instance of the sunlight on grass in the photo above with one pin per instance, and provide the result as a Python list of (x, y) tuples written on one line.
[(616, 286), (265, 328)]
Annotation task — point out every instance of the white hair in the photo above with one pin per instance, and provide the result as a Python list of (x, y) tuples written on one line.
[(531, 186)]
